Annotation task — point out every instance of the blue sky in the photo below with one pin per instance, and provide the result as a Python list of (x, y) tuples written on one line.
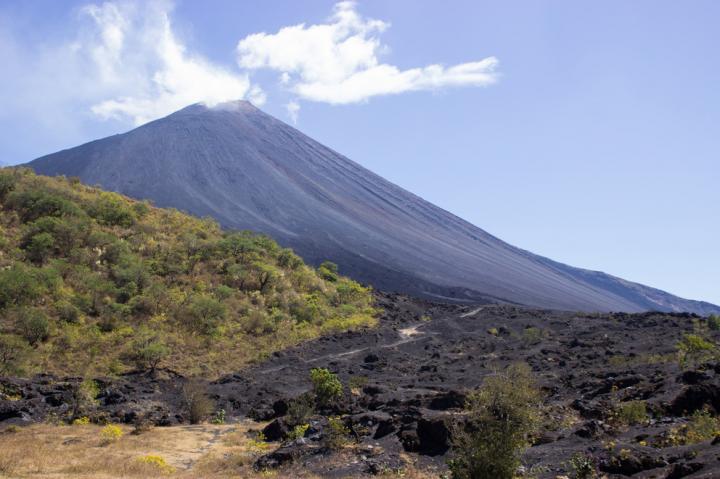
[(588, 132)]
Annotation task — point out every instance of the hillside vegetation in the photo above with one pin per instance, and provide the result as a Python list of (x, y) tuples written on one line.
[(92, 282)]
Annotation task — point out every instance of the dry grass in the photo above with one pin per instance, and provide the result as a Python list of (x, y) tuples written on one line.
[(80, 451), (188, 452)]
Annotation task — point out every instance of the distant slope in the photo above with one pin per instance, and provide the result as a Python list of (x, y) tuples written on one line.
[(250, 170)]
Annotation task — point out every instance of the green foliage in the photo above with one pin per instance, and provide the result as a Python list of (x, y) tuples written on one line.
[(532, 336), (204, 314), (714, 322), (694, 348), (326, 386), (502, 415), (13, 352), (148, 350), (631, 412), (19, 285), (7, 184), (33, 325), (328, 271), (702, 426), (101, 270), (298, 431), (335, 435), (300, 409), (583, 466)]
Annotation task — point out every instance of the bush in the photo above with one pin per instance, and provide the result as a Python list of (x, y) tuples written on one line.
[(33, 204), (631, 412), (335, 435), (326, 386), (18, 285), (693, 348), (33, 325), (714, 322), (300, 409), (198, 405), (502, 415), (532, 336), (583, 466), (204, 314), (13, 351), (328, 271), (158, 463), (84, 397), (111, 433), (110, 210)]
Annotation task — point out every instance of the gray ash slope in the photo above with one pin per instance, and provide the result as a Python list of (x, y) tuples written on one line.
[(251, 171)]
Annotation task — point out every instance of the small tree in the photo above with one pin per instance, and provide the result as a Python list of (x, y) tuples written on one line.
[(204, 314), (33, 325), (326, 386), (714, 322), (502, 415), (148, 351)]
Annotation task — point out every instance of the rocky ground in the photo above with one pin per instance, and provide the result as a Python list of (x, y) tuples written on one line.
[(407, 381)]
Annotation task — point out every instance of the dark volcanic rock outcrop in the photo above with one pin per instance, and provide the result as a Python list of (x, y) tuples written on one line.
[(251, 171)]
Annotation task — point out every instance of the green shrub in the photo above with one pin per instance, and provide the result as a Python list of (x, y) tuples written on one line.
[(33, 325), (326, 386), (502, 415), (532, 336), (714, 322), (335, 435), (204, 314), (328, 271), (583, 466), (631, 412), (13, 352), (148, 351), (19, 285), (300, 409), (34, 203), (693, 348), (110, 210)]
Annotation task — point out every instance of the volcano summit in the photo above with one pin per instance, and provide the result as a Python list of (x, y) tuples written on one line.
[(251, 171)]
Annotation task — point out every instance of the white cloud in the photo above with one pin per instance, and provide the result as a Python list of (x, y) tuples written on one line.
[(136, 51), (293, 109), (338, 62)]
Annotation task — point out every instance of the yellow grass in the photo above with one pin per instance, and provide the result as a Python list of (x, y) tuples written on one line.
[(187, 452)]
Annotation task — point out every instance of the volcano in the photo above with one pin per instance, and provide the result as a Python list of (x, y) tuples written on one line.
[(250, 170)]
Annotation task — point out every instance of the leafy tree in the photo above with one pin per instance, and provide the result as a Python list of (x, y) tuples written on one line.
[(40, 247), (19, 285), (326, 386), (33, 325), (714, 322), (204, 314), (328, 271), (502, 415), (148, 351)]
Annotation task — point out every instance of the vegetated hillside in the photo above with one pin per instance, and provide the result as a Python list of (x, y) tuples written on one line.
[(249, 170), (92, 282)]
